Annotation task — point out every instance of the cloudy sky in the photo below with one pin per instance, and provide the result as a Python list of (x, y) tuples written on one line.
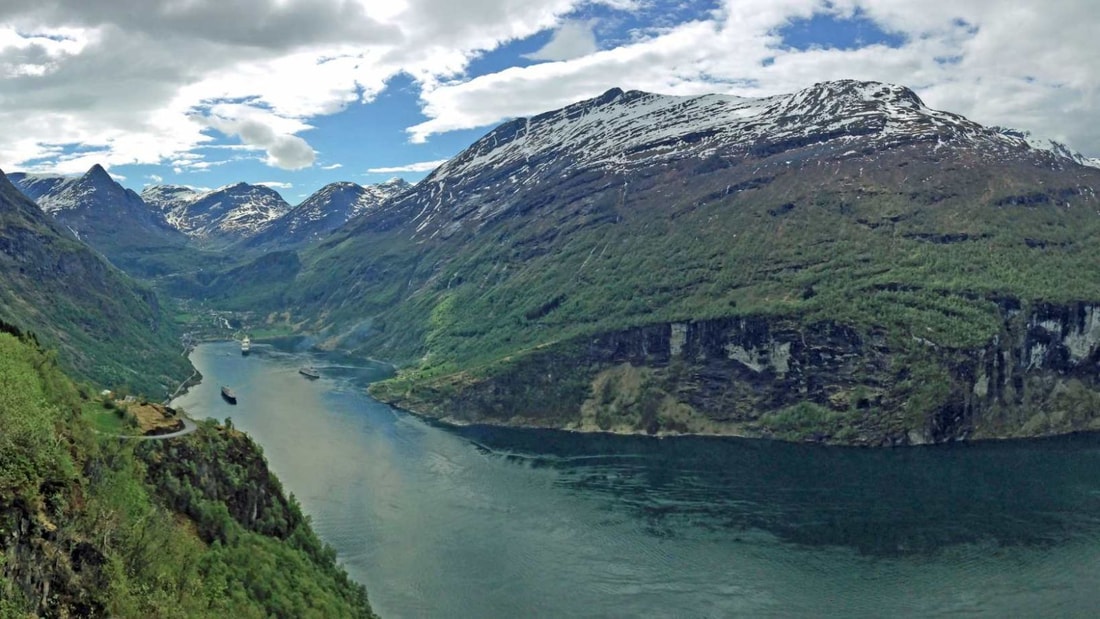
[(299, 93)]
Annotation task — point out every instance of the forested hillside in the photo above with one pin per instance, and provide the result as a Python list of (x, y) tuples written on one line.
[(107, 327), (94, 526)]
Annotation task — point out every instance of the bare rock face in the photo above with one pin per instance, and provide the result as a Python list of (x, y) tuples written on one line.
[(823, 382)]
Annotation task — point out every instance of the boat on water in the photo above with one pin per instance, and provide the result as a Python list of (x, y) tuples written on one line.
[(309, 372), (229, 396), (246, 345)]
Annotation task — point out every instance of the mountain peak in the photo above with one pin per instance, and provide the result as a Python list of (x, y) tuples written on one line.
[(621, 131), (607, 97), (98, 174), (865, 90)]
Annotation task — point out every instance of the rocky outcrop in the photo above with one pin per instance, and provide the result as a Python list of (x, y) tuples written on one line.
[(777, 377), (45, 567), (218, 467)]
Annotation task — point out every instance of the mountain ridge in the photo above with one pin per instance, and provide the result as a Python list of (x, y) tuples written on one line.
[(99, 211), (324, 211), (107, 327), (219, 216), (847, 203), (621, 131)]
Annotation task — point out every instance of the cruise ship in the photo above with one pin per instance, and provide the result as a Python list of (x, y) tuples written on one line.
[(246, 345), (228, 394)]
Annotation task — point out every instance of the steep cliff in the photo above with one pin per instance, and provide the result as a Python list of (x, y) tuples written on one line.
[(780, 377)]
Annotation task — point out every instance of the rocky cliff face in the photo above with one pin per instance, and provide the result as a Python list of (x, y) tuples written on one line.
[(776, 377)]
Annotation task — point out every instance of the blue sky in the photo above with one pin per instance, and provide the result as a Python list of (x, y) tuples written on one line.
[(308, 92)]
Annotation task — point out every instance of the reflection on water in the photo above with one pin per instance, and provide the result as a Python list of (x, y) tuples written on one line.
[(492, 522), (878, 502)]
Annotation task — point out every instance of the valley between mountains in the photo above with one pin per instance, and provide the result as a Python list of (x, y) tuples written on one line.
[(840, 265)]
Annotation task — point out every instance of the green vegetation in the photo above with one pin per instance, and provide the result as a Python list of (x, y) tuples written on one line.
[(106, 417), (895, 252), (917, 248), (921, 253), (107, 328), (805, 421), (96, 527)]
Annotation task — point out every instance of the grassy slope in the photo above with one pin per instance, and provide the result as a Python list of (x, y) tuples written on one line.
[(95, 538), (108, 328), (916, 246)]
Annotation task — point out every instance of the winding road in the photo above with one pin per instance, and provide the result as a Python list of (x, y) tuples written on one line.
[(188, 427)]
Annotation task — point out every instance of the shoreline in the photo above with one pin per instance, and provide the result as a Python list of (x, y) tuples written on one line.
[(451, 422), (184, 386), (448, 421)]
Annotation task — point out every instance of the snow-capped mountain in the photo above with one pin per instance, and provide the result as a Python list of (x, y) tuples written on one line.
[(99, 211), (324, 211), (169, 199), (623, 130), (640, 230), (619, 132), (219, 216), (35, 186)]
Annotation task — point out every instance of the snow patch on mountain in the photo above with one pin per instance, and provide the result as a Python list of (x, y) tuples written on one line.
[(624, 130), (235, 211), (35, 186), (327, 209), (55, 193)]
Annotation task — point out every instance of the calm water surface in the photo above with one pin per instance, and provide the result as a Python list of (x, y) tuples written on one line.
[(487, 522)]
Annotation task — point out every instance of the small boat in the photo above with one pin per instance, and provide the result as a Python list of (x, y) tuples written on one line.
[(246, 345), (229, 396), (309, 373)]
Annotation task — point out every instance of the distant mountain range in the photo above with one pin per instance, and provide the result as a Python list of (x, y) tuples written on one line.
[(325, 211), (219, 217), (106, 215)]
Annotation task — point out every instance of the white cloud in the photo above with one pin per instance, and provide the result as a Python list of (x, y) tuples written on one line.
[(1005, 71), (148, 81), (571, 40), (275, 184), (284, 149), (422, 166), (156, 179), (130, 77), (332, 166)]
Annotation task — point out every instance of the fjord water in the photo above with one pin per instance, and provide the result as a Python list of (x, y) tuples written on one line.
[(490, 522)]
